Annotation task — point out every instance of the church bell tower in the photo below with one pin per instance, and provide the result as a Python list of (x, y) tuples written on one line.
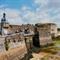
[(4, 23)]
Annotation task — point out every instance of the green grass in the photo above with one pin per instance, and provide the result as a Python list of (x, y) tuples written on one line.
[(51, 50), (57, 42), (51, 57)]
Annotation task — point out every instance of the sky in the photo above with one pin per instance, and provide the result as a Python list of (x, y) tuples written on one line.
[(31, 11)]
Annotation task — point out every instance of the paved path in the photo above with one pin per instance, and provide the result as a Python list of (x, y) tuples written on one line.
[(38, 56)]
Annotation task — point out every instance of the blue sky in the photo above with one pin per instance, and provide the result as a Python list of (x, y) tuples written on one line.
[(31, 11), (16, 4)]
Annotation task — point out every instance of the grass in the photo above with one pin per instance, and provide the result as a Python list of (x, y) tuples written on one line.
[(51, 57), (57, 42), (51, 50)]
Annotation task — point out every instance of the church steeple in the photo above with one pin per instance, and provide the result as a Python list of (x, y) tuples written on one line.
[(3, 21), (4, 17)]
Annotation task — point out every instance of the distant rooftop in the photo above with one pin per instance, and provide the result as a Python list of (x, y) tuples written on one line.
[(41, 24)]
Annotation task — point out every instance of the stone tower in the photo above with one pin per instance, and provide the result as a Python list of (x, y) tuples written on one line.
[(3, 20)]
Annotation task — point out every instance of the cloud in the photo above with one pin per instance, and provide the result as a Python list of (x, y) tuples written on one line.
[(41, 3), (12, 15), (54, 3), (35, 16), (24, 15), (46, 11), (40, 15)]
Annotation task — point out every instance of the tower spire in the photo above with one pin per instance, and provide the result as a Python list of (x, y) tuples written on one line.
[(3, 21), (4, 17)]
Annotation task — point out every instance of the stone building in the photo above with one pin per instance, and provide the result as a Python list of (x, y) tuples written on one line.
[(29, 26), (44, 34), (15, 28), (3, 25), (52, 28)]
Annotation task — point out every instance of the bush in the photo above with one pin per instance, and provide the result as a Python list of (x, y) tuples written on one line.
[(6, 45)]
